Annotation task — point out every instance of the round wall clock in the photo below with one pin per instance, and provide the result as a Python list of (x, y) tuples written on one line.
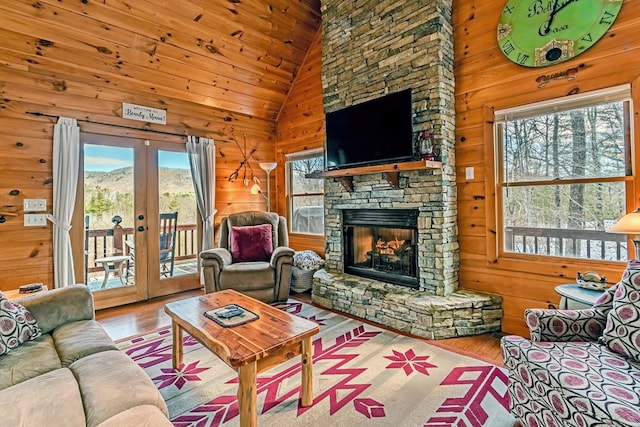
[(537, 33)]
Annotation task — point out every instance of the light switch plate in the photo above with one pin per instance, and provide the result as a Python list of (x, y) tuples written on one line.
[(35, 205), (35, 220), (469, 172)]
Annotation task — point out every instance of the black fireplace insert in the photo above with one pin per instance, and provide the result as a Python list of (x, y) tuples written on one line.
[(381, 244)]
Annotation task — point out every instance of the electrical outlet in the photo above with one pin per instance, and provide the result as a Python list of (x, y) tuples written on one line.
[(35, 220), (35, 205)]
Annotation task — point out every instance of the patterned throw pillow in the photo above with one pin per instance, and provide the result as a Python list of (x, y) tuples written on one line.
[(17, 325), (622, 333), (307, 260)]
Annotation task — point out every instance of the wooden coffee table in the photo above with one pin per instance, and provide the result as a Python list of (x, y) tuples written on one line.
[(250, 348)]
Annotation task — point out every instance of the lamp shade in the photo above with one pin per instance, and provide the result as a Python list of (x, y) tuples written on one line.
[(267, 166), (628, 224), (255, 189)]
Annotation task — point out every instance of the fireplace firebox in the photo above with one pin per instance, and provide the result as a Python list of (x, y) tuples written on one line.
[(381, 244)]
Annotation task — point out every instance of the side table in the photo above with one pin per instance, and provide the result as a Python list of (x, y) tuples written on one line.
[(575, 297), (15, 293), (116, 264)]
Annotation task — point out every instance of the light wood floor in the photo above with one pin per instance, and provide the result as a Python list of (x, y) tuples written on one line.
[(143, 317)]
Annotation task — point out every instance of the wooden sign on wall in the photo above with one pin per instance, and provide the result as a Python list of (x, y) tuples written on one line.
[(144, 114)]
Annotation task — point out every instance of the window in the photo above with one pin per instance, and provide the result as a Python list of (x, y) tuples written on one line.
[(564, 175), (305, 196)]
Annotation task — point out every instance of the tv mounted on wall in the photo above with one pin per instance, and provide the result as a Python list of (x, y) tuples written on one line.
[(373, 132)]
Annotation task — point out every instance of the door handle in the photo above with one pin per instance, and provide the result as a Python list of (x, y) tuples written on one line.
[(140, 217), (141, 228)]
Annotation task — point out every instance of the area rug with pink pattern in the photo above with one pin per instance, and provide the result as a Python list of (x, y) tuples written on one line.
[(362, 376)]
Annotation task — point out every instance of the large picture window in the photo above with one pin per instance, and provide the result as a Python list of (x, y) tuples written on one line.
[(305, 196), (564, 175)]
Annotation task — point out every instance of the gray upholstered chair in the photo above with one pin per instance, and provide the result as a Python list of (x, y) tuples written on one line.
[(267, 278)]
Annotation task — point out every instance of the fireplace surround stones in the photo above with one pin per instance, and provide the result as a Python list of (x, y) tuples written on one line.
[(426, 312), (437, 246), (372, 48)]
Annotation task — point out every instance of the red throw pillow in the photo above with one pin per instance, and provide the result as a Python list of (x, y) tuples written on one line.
[(251, 243)]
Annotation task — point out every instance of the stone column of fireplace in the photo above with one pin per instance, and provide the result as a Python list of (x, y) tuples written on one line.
[(371, 48)]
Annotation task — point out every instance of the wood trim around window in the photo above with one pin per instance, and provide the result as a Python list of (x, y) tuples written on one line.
[(494, 240)]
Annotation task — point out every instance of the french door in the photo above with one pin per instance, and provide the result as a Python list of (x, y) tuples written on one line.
[(137, 211)]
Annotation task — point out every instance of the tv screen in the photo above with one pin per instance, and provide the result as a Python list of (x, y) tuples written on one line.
[(373, 132)]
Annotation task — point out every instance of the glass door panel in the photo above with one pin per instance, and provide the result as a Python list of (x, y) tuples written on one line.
[(108, 216), (110, 195), (176, 265)]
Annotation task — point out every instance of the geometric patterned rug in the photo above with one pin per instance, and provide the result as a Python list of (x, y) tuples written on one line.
[(362, 376)]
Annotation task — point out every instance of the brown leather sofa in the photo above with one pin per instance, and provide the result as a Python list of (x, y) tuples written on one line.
[(265, 280)]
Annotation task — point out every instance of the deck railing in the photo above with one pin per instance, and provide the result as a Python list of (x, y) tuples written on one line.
[(591, 244), (100, 244)]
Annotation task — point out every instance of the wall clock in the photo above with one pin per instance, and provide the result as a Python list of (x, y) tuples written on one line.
[(537, 33)]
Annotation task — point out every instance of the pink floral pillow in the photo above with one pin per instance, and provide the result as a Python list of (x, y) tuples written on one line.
[(622, 332), (17, 325), (251, 243)]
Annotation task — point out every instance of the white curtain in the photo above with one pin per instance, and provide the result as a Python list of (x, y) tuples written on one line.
[(202, 158), (66, 155)]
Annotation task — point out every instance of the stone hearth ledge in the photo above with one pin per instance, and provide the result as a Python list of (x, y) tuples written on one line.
[(415, 312)]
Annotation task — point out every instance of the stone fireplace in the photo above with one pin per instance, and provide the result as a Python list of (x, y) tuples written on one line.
[(370, 49)]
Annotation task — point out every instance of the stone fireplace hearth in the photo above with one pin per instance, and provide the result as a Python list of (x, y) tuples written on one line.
[(414, 312), (370, 49)]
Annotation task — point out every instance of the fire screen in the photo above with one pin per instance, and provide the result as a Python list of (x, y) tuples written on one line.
[(381, 244)]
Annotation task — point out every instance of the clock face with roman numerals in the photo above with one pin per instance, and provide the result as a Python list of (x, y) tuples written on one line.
[(537, 33)]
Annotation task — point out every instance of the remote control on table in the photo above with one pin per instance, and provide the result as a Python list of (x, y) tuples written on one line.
[(229, 312)]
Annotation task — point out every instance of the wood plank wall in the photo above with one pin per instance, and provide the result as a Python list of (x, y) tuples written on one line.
[(300, 126), (49, 64), (486, 80), (27, 159)]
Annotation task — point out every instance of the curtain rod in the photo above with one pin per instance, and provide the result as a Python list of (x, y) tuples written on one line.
[(36, 113)]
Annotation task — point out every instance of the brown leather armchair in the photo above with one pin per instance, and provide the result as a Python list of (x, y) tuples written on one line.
[(267, 280)]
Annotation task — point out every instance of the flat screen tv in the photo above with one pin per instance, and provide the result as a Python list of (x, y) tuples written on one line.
[(373, 132)]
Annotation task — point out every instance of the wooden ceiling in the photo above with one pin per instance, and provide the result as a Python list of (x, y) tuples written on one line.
[(237, 57)]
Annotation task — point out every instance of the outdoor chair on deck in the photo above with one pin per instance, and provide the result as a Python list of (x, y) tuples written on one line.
[(168, 230), (168, 226), (252, 257)]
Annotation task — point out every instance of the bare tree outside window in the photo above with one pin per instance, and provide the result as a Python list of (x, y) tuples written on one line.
[(306, 195), (563, 181)]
